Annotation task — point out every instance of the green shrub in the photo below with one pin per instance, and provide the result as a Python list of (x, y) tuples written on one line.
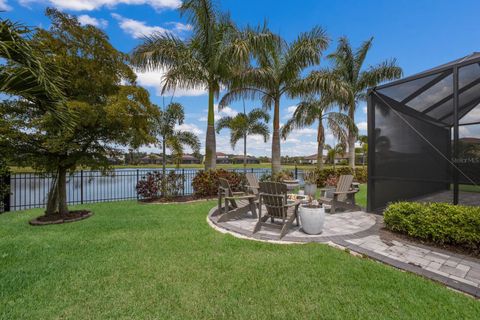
[(205, 183), (441, 223)]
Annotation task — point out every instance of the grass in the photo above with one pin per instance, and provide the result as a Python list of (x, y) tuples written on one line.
[(132, 261)]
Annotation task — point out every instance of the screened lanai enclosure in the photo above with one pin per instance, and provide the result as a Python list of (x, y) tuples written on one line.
[(424, 136)]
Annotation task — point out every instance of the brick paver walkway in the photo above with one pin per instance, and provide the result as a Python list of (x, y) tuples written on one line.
[(359, 232)]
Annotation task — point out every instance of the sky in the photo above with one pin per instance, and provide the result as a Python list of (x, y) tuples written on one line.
[(419, 34)]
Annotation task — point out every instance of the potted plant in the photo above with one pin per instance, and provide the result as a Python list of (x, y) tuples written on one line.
[(310, 179), (330, 186), (312, 217)]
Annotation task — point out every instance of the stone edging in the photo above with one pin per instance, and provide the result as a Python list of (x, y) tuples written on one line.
[(35, 222)]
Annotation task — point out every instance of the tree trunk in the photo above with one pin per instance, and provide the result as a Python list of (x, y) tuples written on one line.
[(351, 138), (164, 170), (62, 190), (52, 202), (210, 147), (321, 144), (276, 153), (245, 153)]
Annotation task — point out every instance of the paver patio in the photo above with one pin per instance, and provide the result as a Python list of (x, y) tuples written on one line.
[(359, 231)]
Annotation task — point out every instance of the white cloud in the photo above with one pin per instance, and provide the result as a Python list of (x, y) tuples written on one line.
[(365, 110), (362, 126), (85, 19), (290, 110), (4, 5), (225, 112), (154, 79), (89, 5), (190, 127), (139, 29)]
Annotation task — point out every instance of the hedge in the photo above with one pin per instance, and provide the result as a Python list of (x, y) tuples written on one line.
[(360, 174), (441, 223), (205, 183)]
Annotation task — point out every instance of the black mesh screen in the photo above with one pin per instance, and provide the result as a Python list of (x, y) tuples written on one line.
[(406, 166)]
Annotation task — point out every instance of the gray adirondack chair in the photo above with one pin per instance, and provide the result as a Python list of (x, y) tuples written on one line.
[(343, 196), (236, 204), (273, 196), (253, 184)]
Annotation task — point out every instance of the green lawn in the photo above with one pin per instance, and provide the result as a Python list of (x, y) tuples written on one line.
[(132, 261)]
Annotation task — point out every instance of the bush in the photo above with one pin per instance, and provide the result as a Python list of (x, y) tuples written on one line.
[(441, 223), (278, 177), (360, 174), (205, 183), (151, 186)]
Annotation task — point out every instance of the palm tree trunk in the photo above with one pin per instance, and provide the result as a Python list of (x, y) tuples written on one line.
[(245, 153), (164, 170), (210, 147), (321, 144), (276, 153), (351, 137), (164, 156)]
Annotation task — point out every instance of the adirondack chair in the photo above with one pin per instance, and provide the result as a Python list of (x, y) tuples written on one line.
[(233, 209), (273, 195), (253, 185), (344, 195)]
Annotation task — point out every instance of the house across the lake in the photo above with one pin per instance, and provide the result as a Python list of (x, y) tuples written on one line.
[(222, 158), (189, 159), (239, 160)]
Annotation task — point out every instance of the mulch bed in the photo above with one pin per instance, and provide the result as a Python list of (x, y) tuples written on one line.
[(388, 235), (74, 215), (180, 199)]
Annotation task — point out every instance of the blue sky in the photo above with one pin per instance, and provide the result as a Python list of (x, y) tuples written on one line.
[(419, 34)]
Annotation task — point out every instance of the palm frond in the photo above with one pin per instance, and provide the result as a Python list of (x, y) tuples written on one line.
[(387, 70), (305, 51), (261, 129)]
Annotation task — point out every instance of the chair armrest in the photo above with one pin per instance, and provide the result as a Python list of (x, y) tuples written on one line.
[(345, 192), (237, 193), (251, 196)]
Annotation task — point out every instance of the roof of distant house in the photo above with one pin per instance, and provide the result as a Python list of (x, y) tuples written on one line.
[(241, 157), (188, 157)]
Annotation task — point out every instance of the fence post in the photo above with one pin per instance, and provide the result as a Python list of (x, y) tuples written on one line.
[(81, 186), (6, 180), (138, 179), (183, 181), (296, 172)]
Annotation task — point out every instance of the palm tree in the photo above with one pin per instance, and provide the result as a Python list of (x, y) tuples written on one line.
[(169, 137), (26, 74), (206, 60), (278, 73), (348, 69), (364, 144), (314, 110), (338, 148), (243, 125)]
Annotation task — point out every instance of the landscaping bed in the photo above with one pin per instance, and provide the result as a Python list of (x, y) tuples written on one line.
[(71, 216), (455, 228)]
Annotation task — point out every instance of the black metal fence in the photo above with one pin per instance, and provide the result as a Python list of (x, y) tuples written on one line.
[(30, 190)]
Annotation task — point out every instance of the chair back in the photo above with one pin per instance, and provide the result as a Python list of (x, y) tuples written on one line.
[(224, 188), (344, 184), (253, 182), (273, 195)]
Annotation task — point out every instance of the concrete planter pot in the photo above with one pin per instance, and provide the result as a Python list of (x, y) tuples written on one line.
[(312, 219), (310, 189)]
